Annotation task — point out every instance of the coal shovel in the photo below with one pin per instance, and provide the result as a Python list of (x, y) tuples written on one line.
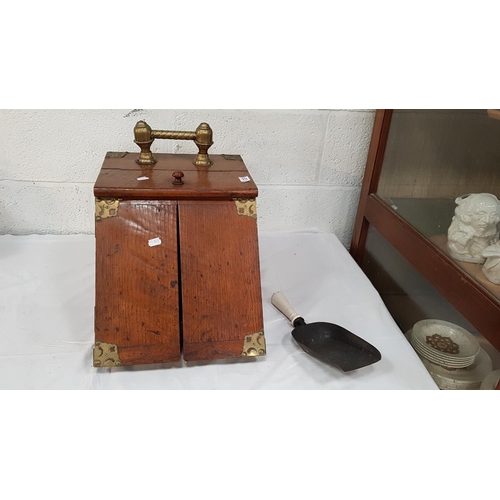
[(332, 344)]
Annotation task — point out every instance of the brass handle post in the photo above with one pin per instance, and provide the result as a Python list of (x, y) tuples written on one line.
[(145, 135)]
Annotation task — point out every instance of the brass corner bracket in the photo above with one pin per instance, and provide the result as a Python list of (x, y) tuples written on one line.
[(247, 208), (106, 355), (254, 345), (105, 208), (145, 135)]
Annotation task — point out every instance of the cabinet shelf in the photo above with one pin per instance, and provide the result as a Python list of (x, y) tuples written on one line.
[(414, 218)]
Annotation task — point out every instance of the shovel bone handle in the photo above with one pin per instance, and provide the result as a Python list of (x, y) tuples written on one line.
[(281, 303)]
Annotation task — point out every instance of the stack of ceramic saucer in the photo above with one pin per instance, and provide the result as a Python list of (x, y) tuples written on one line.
[(451, 354)]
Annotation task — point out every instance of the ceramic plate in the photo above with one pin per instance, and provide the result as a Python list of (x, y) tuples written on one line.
[(435, 357), (469, 377), (431, 356), (446, 341), (473, 374), (490, 381)]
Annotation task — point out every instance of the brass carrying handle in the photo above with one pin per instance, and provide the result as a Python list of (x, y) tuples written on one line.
[(144, 137)]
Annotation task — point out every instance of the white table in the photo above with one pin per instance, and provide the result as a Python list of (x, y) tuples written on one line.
[(46, 322)]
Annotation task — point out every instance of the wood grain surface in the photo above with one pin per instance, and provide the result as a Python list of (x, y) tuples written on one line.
[(118, 178), (199, 290), (477, 304), (474, 270), (172, 162), (198, 184), (137, 292), (370, 179), (221, 289)]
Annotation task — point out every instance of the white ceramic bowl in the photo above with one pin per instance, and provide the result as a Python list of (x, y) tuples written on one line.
[(445, 343)]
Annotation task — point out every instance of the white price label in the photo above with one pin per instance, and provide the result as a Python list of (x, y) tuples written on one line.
[(154, 242), (244, 179), (143, 178)]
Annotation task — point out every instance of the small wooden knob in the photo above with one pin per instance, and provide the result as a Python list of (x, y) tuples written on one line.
[(177, 178)]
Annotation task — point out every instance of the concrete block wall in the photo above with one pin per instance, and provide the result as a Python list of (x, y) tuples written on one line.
[(308, 164)]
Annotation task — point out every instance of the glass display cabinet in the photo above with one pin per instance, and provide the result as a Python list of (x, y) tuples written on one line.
[(421, 164)]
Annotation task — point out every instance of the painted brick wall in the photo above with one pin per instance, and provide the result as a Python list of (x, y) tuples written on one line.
[(308, 164)]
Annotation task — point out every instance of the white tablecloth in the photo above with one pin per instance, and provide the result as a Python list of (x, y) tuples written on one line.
[(46, 322)]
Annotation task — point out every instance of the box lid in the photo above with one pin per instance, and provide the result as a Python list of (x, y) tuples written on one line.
[(122, 177)]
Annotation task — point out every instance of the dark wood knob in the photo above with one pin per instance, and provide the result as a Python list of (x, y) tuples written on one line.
[(177, 178)]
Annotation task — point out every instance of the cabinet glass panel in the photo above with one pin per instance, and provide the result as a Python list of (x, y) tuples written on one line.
[(408, 296), (432, 158)]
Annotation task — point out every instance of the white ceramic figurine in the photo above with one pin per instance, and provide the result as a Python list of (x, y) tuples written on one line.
[(473, 227), (491, 268)]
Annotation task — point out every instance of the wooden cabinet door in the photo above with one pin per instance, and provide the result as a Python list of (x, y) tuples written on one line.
[(221, 291), (137, 289)]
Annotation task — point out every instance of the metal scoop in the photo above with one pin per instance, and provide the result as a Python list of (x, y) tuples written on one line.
[(332, 344)]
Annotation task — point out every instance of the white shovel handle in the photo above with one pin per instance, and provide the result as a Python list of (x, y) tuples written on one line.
[(281, 303)]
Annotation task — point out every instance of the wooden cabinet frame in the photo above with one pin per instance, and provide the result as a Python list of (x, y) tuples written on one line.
[(468, 296)]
